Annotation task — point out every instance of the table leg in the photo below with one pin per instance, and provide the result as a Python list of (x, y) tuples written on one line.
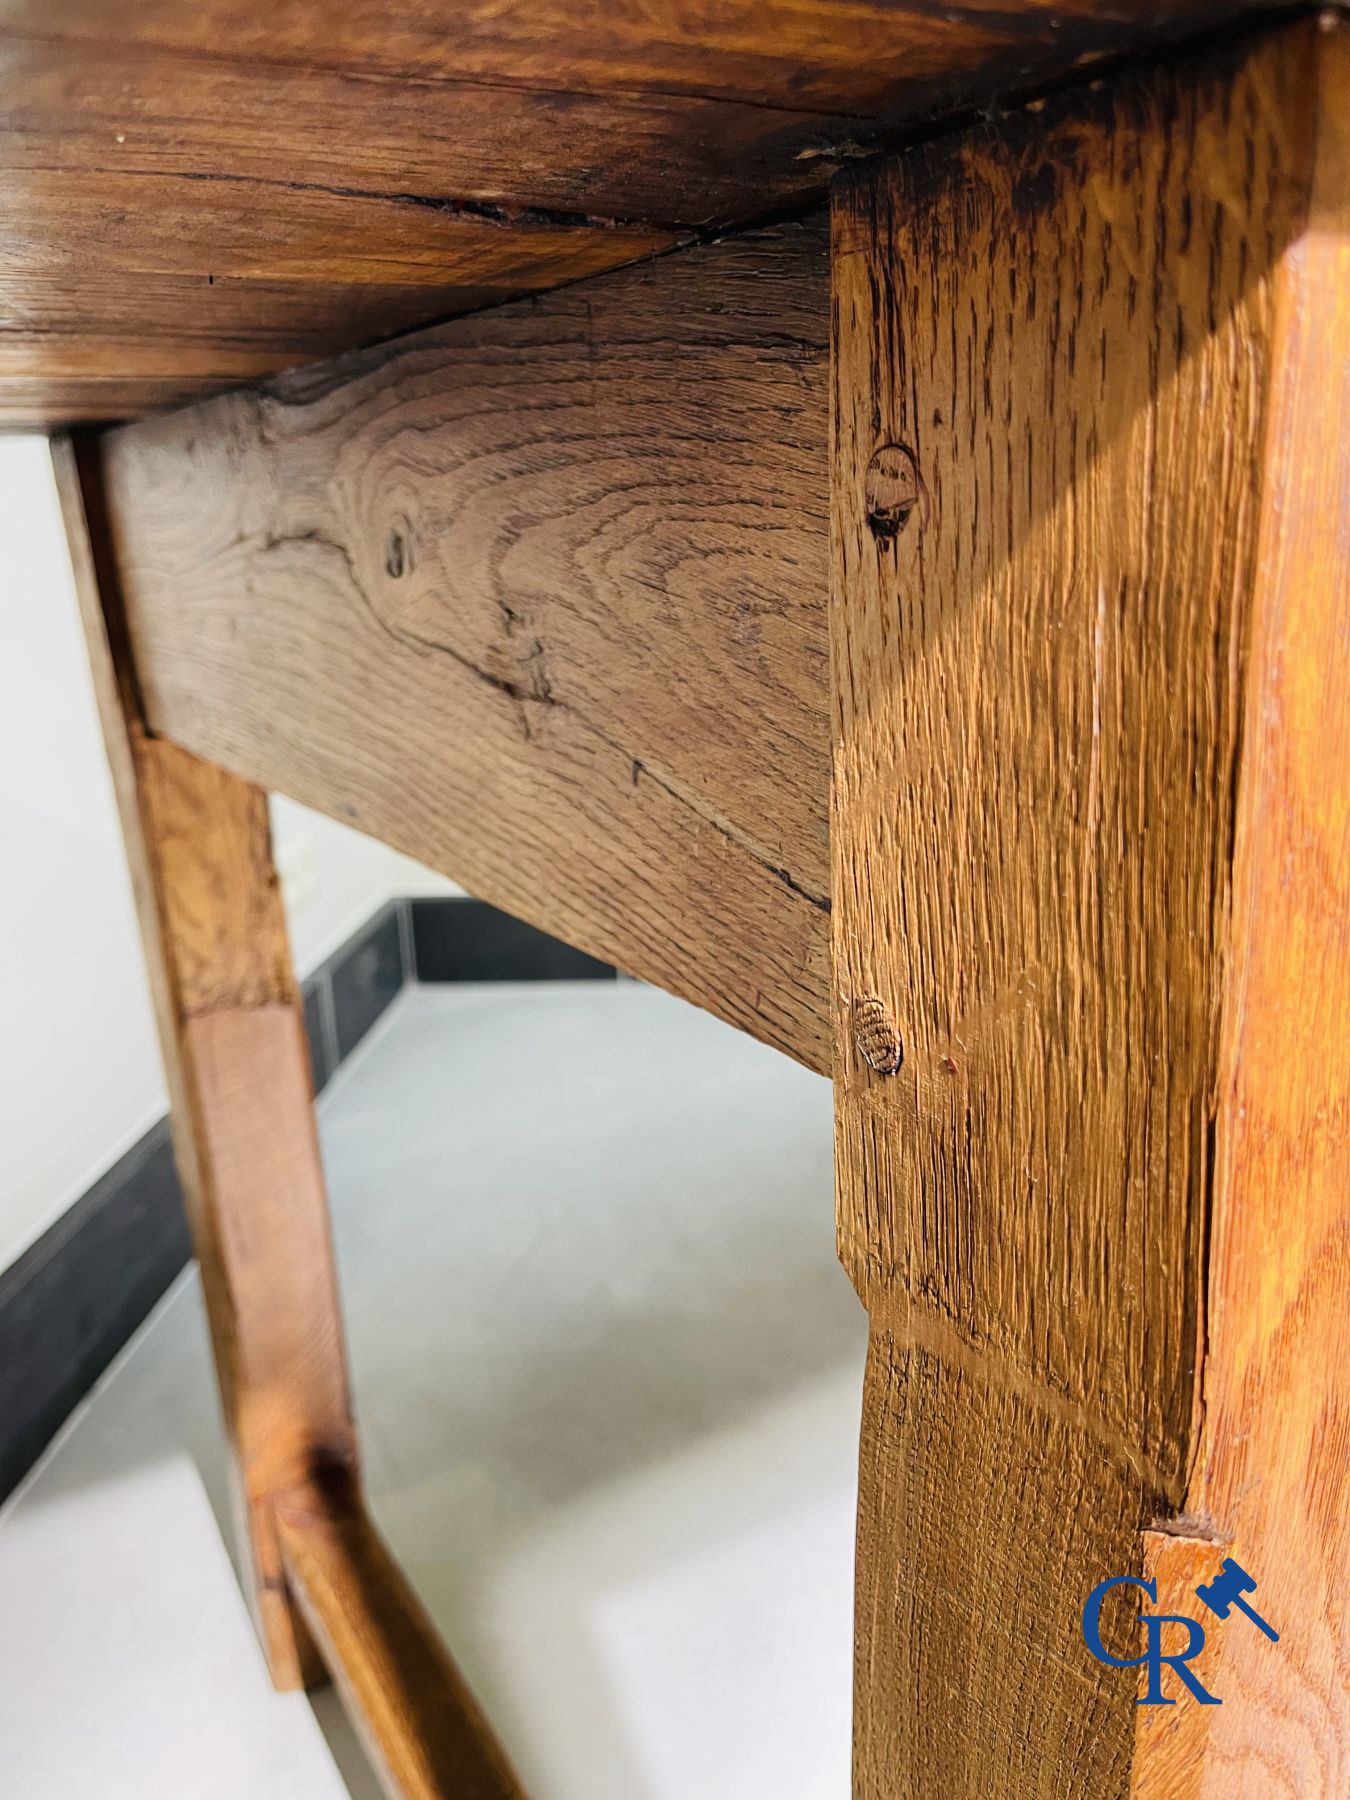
[(232, 1034), (1091, 838), (327, 1596)]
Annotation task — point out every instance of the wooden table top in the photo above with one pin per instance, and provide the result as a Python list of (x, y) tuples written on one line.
[(198, 195)]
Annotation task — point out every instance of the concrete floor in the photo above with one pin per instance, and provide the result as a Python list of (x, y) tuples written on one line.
[(607, 1373)]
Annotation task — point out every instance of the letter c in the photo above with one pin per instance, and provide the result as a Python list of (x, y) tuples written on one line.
[(1092, 1629)]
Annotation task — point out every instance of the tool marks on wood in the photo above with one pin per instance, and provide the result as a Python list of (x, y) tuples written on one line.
[(1066, 320), (1274, 1469)]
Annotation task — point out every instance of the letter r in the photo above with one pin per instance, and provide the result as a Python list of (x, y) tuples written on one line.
[(1195, 1643)]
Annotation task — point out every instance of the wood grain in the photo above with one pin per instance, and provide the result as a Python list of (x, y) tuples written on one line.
[(421, 1727), (1273, 1475), (538, 597), (398, 162), (360, 266), (93, 365), (772, 53), (1053, 345), (193, 113), (1171, 1741), (232, 1033)]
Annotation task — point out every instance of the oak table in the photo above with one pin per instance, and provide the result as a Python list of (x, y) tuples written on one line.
[(842, 508)]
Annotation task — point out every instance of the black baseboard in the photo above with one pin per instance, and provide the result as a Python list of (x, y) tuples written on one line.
[(467, 940), (74, 1298)]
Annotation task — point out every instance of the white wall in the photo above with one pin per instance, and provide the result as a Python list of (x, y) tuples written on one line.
[(80, 1075), (333, 878)]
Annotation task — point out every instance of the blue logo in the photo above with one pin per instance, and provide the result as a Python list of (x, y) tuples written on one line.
[(1219, 1596)]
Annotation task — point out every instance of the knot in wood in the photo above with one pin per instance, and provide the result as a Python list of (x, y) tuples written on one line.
[(395, 554), (891, 491), (876, 1037)]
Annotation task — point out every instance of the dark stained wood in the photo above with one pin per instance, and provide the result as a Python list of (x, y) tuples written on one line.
[(231, 1027), (769, 53), (420, 1725), (360, 169), (246, 278), (539, 597), (231, 330), (1089, 517), (429, 133)]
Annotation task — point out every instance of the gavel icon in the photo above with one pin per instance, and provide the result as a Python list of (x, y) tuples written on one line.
[(1226, 1591)]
